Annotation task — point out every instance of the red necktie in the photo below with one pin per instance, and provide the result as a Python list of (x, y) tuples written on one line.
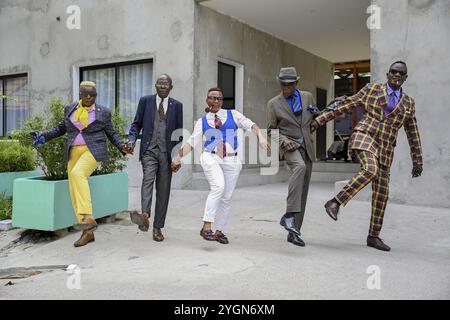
[(221, 147)]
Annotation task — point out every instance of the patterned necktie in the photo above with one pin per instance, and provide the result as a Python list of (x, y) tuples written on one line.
[(161, 110), (296, 106), (391, 104), (221, 147)]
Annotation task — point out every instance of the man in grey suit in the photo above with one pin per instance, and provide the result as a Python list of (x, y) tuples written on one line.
[(158, 116), (291, 112)]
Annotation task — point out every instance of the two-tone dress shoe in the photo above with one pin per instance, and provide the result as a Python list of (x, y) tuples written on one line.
[(295, 239), (157, 235), (142, 220), (289, 224)]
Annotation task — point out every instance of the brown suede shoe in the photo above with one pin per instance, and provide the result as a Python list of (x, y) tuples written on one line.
[(157, 235), (332, 208), (377, 243), (86, 237), (87, 224), (142, 220)]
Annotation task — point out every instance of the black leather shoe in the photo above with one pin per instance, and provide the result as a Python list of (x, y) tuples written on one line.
[(295, 239), (332, 208), (377, 243), (289, 224)]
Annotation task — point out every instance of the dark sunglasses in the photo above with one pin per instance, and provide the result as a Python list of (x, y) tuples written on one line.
[(215, 98), (85, 95), (394, 72)]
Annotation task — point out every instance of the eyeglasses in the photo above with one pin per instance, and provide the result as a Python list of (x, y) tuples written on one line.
[(394, 72), (215, 98), (85, 95)]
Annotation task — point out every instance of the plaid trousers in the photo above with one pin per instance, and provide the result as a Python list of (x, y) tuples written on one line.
[(378, 174)]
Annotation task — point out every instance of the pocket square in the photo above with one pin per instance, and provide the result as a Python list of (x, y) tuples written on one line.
[(312, 108)]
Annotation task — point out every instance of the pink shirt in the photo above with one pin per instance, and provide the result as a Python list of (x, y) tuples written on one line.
[(79, 140)]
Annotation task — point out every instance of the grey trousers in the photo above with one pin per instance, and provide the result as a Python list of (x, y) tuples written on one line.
[(156, 167), (301, 168)]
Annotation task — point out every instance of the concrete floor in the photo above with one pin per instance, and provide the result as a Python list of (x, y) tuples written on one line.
[(258, 263)]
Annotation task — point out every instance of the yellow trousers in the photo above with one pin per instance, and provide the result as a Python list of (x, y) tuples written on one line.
[(81, 165)]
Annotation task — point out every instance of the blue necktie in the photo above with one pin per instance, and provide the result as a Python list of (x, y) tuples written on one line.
[(391, 104), (296, 106)]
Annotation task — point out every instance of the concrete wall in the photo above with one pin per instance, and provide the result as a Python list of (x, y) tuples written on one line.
[(417, 31), (33, 41), (262, 55)]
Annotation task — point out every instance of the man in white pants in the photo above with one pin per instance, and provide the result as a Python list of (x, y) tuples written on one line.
[(220, 161)]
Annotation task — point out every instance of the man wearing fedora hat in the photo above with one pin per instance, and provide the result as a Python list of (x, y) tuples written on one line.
[(291, 113)]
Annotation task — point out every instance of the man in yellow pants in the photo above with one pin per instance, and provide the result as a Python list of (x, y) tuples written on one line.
[(86, 125)]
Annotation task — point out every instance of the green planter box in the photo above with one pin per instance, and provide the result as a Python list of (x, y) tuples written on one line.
[(7, 180), (45, 205)]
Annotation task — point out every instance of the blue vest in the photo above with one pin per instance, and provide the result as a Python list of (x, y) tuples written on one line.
[(213, 135)]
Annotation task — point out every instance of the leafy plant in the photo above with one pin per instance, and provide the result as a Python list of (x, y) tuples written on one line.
[(15, 157), (5, 207), (51, 154)]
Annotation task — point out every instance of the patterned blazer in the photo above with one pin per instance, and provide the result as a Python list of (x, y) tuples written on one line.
[(292, 128), (93, 134), (376, 132)]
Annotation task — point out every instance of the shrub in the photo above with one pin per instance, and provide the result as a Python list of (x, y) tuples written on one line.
[(15, 157), (51, 154), (5, 207)]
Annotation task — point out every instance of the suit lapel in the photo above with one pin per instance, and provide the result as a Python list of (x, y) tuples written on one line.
[(306, 115), (287, 108)]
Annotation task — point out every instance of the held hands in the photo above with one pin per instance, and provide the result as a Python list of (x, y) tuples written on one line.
[(290, 146), (38, 138), (264, 144), (176, 164), (128, 148), (417, 171), (314, 126)]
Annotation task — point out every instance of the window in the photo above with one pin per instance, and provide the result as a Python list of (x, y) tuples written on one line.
[(227, 82), (14, 102), (121, 85)]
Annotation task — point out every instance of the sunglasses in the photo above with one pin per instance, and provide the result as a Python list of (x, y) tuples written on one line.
[(394, 72), (215, 98), (85, 95)]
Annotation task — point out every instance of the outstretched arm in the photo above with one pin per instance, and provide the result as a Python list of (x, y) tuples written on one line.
[(262, 140), (342, 107), (412, 133)]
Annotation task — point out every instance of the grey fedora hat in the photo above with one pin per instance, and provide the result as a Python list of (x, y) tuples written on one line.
[(288, 75)]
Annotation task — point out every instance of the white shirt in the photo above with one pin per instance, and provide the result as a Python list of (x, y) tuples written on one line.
[(241, 121), (165, 103)]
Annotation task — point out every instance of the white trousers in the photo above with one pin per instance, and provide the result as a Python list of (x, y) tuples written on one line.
[(222, 176)]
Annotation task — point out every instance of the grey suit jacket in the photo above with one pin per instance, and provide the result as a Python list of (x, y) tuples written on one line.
[(292, 128), (93, 134)]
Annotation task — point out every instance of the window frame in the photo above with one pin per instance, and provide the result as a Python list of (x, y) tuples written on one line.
[(116, 67), (219, 63), (4, 132)]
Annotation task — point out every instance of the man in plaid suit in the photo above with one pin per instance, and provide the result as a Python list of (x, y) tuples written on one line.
[(386, 109)]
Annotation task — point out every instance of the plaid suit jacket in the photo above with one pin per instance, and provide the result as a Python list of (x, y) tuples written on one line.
[(93, 134), (376, 132)]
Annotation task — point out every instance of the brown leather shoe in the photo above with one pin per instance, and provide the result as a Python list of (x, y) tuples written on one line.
[(87, 224), (377, 243), (208, 235), (86, 237), (220, 237), (157, 235), (142, 220), (332, 208)]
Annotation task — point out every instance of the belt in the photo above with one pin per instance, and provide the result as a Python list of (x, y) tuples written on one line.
[(226, 155)]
